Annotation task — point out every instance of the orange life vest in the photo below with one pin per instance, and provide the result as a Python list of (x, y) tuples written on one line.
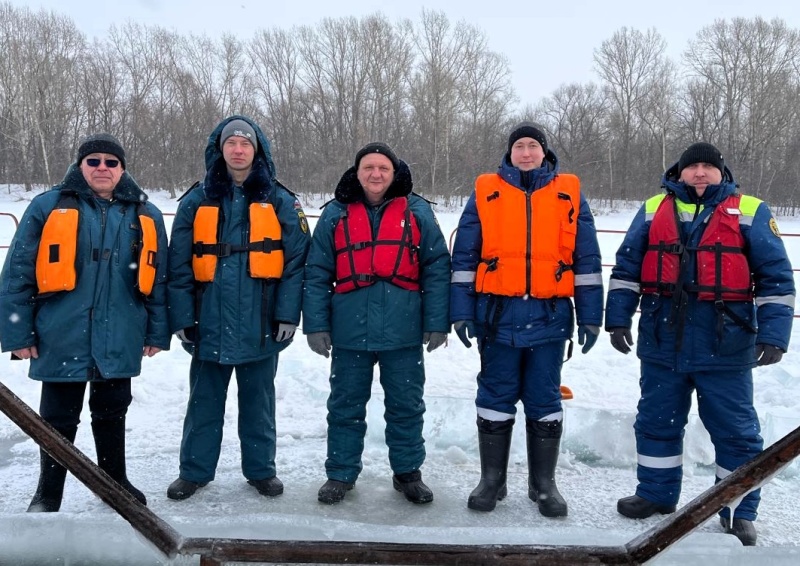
[(392, 256), (57, 254), (723, 272), (265, 249), (528, 239)]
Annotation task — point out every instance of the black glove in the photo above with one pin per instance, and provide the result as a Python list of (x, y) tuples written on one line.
[(767, 354), (320, 343), (621, 339), (587, 333), (465, 329), (434, 339)]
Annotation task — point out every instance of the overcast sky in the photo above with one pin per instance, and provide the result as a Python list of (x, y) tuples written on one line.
[(547, 43)]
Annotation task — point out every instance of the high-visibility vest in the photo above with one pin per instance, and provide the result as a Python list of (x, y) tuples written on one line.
[(57, 254), (392, 256), (265, 249), (528, 239), (723, 272)]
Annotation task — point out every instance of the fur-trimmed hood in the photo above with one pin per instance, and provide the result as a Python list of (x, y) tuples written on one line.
[(349, 189), (261, 179), (127, 190)]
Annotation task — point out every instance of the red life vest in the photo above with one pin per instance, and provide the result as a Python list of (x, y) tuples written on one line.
[(391, 257), (723, 272)]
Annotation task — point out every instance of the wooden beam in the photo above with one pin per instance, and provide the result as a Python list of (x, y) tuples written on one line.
[(160, 534), (744, 479), (327, 552)]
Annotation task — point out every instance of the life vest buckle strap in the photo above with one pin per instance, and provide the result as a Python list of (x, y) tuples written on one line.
[(267, 245), (491, 263), (562, 268), (220, 250)]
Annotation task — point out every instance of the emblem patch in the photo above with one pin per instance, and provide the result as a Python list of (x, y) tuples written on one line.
[(303, 222), (774, 227)]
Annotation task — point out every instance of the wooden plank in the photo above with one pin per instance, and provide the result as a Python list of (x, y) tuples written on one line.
[(751, 475), (160, 534), (327, 552)]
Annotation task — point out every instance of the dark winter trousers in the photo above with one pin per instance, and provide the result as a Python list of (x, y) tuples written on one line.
[(205, 414), (60, 405), (509, 374), (402, 375), (725, 405)]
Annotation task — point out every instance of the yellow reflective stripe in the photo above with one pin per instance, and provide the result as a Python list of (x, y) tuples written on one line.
[(748, 205)]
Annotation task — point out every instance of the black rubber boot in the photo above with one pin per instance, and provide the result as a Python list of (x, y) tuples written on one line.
[(109, 440), (544, 439), (494, 445), (50, 490), (743, 529)]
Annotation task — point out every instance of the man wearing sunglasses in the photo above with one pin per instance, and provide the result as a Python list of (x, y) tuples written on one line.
[(83, 297)]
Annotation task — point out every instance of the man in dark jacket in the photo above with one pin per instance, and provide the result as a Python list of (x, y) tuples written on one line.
[(237, 250), (709, 271), (72, 304), (376, 287), (526, 246)]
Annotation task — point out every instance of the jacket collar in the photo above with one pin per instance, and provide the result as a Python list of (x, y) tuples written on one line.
[(127, 190), (349, 189)]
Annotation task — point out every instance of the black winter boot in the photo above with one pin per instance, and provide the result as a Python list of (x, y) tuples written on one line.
[(109, 440), (412, 487), (50, 490), (494, 445), (743, 529), (544, 438)]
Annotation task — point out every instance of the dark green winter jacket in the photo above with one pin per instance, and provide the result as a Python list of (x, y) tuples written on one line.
[(382, 316), (102, 325), (237, 315)]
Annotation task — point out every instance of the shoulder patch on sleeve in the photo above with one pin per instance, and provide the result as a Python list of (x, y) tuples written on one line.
[(298, 208), (774, 227)]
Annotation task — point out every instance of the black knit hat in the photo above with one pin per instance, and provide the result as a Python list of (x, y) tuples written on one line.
[(378, 147), (101, 143), (527, 130), (701, 152)]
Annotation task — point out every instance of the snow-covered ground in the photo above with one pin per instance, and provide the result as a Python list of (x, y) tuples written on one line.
[(597, 465)]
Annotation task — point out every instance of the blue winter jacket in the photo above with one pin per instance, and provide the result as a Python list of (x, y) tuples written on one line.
[(703, 346), (236, 315), (382, 316), (526, 321), (102, 325)]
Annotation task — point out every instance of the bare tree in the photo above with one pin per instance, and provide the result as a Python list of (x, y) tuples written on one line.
[(629, 64)]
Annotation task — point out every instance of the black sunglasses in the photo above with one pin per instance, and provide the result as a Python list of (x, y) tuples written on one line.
[(95, 162)]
